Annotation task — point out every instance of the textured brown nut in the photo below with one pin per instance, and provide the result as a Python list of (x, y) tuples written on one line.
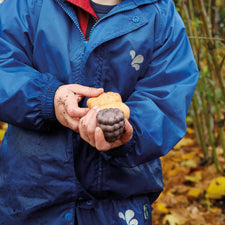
[(111, 121), (111, 128)]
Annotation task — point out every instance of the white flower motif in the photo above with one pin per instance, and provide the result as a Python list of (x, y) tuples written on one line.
[(136, 60), (128, 217)]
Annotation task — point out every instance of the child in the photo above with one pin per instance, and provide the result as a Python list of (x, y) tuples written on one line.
[(56, 167)]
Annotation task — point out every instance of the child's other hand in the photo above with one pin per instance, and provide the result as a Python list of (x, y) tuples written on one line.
[(95, 136), (102, 145), (66, 100)]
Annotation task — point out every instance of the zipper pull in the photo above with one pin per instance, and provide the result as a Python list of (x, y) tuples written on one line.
[(85, 44)]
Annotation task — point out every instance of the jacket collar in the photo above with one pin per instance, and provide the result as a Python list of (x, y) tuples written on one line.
[(85, 5), (142, 2)]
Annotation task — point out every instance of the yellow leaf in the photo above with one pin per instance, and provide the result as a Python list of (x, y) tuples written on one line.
[(196, 178), (189, 120), (160, 207), (189, 155), (215, 210), (171, 220), (216, 189), (219, 149), (194, 193), (174, 172), (192, 179), (2, 132), (5, 126), (190, 163), (184, 142), (190, 130)]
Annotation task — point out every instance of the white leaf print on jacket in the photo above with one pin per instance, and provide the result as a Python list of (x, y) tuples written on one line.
[(128, 217), (136, 60)]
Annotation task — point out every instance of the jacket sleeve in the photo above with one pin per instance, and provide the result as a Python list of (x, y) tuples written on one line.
[(162, 97), (26, 95)]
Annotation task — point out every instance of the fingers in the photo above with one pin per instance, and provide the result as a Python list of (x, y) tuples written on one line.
[(87, 126), (64, 118), (86, 91), (102, 145), (80, 91), (66, 100), (71, 106), (95, 136), (83, 120)]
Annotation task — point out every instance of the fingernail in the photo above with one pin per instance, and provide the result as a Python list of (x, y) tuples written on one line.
[(98, 130), (96, 108)]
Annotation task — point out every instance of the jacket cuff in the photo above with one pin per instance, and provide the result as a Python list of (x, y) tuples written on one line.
[(121, 156), (47, 100)]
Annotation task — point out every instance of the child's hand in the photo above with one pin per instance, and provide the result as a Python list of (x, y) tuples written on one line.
[(102, 145), (66, 100), (95, 136)]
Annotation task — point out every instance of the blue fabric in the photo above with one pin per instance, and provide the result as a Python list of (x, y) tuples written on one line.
[(101, 10), (135, 211), (140, 50)]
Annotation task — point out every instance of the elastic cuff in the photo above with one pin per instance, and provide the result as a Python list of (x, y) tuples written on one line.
[(47, 100), (121, 156)]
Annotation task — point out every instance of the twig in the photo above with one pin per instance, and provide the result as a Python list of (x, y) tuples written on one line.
[(207, 38)]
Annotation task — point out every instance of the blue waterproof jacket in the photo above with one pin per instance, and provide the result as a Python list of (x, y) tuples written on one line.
[(140, 50)]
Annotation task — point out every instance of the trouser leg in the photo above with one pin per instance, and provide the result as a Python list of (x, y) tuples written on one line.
[(132, 211)]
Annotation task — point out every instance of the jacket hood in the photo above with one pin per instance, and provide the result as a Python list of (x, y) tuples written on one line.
[(141, 2), (85, 4)]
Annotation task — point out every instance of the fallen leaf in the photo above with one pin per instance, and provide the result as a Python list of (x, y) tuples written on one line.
[(179, 189), (189, 155), (216, 189), (160, 207), (174, 172), (189, 120), (190, 130), (184, 142), (197, 176), (170, 220), (4, 126), (2, 133), (190, 163), (194, 193)]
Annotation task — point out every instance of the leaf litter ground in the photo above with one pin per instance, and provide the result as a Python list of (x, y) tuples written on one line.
[(194, 192)]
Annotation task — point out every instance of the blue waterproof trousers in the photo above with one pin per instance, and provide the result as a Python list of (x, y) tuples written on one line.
[(135, 211), (132, 211)]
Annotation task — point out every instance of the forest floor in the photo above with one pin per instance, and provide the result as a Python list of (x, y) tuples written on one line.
[(194, 193)]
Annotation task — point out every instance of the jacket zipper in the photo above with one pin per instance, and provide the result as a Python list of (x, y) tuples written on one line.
[(75, 22), (78, 26), (85, 42)]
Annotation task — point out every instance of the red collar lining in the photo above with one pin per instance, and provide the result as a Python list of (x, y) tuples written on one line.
[(85, 5), (83, 11)]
